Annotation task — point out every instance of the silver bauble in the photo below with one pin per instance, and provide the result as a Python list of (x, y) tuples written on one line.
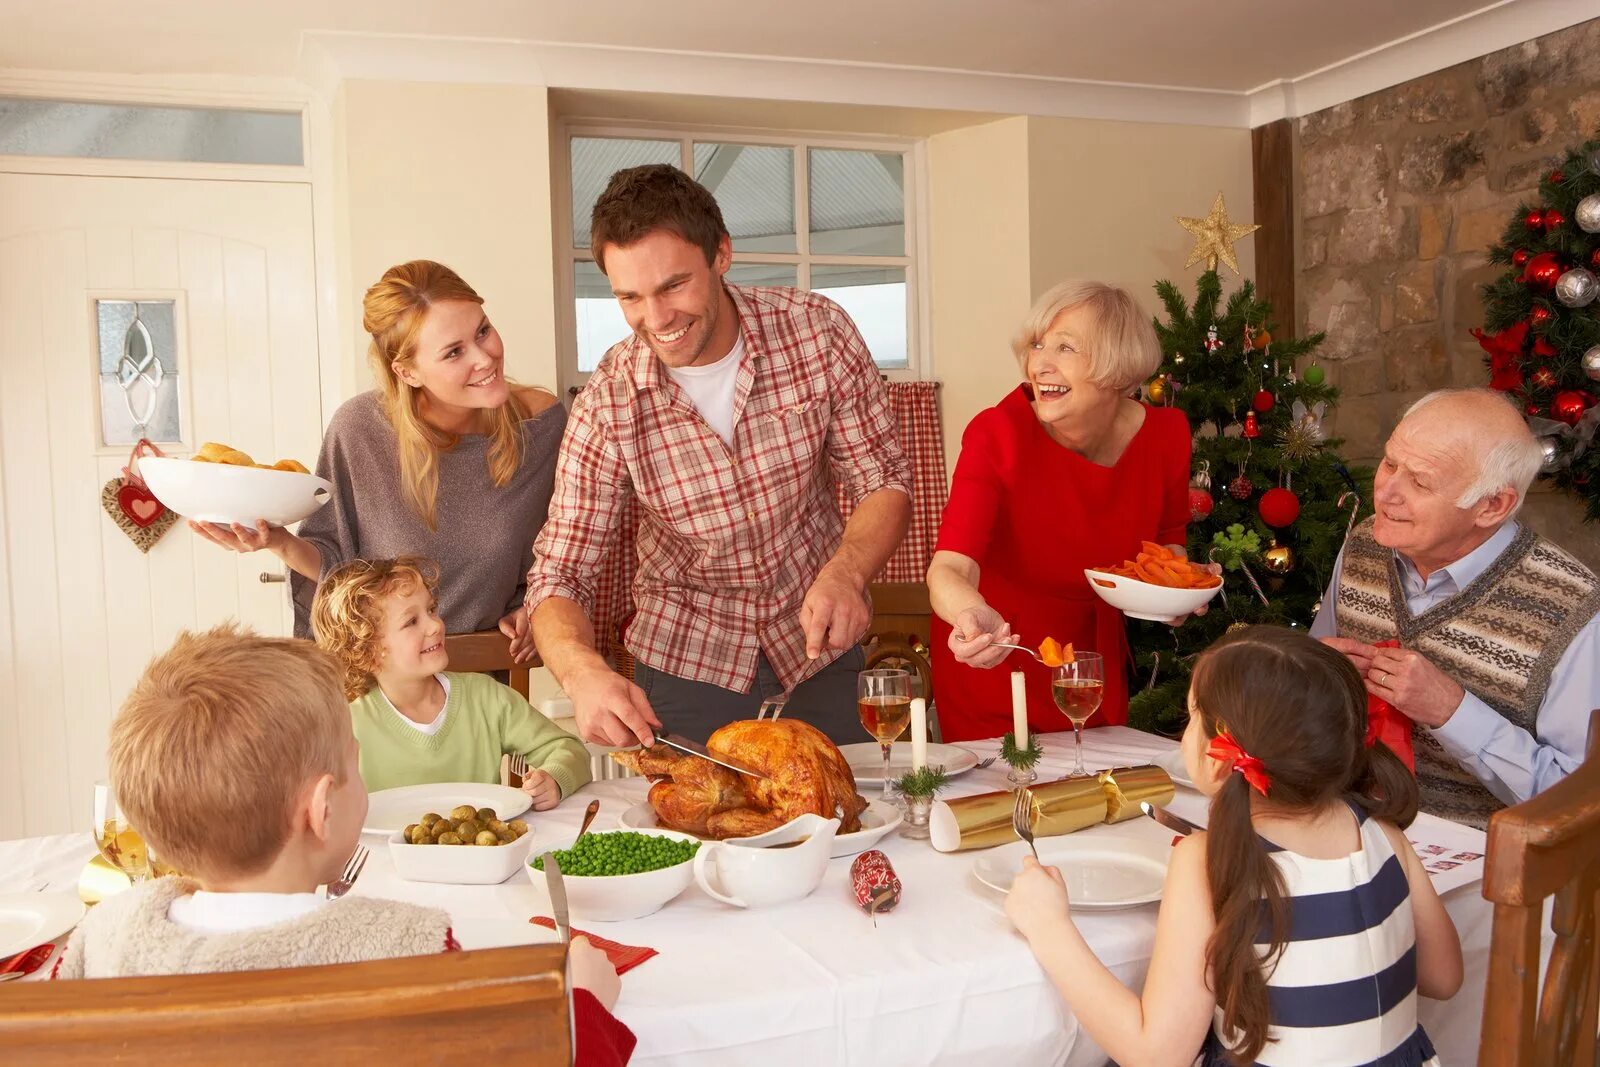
[(1577, 288), (1550, 449), (1587, 215), (1591, 363), (1594, 161)]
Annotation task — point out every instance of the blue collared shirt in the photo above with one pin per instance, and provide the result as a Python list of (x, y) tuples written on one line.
[(1512, 763)]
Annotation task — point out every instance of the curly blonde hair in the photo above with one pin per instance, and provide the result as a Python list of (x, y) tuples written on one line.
[(347, 614)]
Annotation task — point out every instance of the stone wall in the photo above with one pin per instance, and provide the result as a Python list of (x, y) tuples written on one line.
[(1399, 196)]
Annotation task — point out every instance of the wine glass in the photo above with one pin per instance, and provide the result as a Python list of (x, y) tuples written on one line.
[(122, 846), (1078, 687), (883, 697)]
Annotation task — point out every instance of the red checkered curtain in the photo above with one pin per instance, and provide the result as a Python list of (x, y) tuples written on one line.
[(916, 412), (916, 415)]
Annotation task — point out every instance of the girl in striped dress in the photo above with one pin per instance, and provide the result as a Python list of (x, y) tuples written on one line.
[(1301, 928)]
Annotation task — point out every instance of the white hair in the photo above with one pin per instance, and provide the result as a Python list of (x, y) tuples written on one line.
[(1507, 463)]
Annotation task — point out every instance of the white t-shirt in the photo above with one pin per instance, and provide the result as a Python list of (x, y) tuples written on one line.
[(226, 913), (429, 728), (711, 389)]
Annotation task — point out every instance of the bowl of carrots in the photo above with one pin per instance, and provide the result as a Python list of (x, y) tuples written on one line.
[(1157, 584)]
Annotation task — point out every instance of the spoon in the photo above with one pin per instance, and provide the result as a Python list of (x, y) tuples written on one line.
[(588, 817)]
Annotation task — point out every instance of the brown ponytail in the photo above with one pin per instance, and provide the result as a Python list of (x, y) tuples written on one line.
[(1300, 708)]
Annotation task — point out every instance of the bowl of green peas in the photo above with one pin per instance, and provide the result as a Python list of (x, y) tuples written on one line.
[(620, 874)]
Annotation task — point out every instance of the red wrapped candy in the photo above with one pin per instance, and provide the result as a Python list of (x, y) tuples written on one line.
[(876, 886)]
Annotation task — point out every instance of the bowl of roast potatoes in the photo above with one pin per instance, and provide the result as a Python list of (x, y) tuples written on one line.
[(466, 846)]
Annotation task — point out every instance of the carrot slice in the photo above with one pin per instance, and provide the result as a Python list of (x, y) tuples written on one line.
[(1050, 652), (1157, 551)]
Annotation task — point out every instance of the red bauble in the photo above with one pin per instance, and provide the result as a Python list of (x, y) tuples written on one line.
[(1533, 220), (1539, 316), (1543, 379), (1555, 177), (1252, 428), (1554, 220), (1200, 503), (1534, 409), (1264, 401), (1569, 405), (1543, 270), (1279, 507), (1594, 260), (1241, 488), (1520, 257)]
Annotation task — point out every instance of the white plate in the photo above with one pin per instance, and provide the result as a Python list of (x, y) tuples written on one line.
[(223, 493), (866, 760), (391, 810), (31, 919), (1104, 872), (1172, 763), (877, 822)]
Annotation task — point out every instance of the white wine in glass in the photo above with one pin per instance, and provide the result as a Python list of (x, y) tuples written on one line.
[(122, 846), (1078, 687), (883, 699)]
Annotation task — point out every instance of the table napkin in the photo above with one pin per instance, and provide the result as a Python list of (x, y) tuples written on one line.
[(623, 957), (27, 962)]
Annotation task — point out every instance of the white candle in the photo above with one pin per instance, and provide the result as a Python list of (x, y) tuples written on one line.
[(919, 733), (1019, 709)]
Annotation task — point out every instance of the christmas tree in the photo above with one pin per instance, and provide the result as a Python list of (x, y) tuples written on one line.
[(1270, 498), (1543, 320)]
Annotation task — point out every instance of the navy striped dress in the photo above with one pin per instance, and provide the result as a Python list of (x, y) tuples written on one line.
[(1344, 992)]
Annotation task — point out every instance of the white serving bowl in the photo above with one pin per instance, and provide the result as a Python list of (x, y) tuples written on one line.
[(458, 864), (617, 897), (224, 493), (1141, 600)]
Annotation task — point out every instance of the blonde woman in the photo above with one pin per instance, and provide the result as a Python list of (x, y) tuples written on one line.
[(446, 459), (1065, 473)]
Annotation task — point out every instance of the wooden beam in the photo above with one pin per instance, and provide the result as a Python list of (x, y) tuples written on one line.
[(1272, 166)]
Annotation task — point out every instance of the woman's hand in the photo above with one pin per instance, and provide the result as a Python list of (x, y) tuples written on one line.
[(1038, 899), (974, 634), (1211, 568), (515, 626), (238, 538)]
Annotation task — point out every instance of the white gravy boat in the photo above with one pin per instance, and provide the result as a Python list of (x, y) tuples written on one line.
[(771, 868)]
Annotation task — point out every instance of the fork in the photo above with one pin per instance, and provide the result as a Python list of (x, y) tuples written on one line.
[(985, 763), (352, 871), (517, 768), (773, 705), (1022, 818)]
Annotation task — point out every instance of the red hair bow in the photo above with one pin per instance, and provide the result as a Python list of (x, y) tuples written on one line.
[(1225, 750)]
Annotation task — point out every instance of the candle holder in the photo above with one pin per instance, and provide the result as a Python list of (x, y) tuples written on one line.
[(918, 787), (1021, 760)]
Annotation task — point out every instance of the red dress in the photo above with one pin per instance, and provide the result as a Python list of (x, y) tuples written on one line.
[(1033, 514)]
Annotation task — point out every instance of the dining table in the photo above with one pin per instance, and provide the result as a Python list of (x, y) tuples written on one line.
[(943, 978)]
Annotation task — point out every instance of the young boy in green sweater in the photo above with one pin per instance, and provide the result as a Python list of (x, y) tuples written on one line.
[(417, 722)]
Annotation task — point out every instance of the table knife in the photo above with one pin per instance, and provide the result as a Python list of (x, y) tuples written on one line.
[(694, 748), (1168, 819), (558, 898)]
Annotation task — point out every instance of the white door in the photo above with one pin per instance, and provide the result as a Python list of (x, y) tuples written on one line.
[(81, 609)]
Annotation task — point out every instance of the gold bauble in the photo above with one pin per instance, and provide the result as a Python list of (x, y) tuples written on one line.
[(1278, 559), (1237, 626), (1156, 390)]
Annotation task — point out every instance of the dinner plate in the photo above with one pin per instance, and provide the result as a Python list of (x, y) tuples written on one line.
[(1104, 872), (877, 822), (1172, 763), (866, 760), (30, 919), (391, 810)]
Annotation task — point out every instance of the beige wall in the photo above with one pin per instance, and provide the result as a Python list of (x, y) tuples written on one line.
[(1019, 204), (456, 173)]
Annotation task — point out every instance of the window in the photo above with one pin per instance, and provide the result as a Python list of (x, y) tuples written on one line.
[(86, 129), (832, 216)]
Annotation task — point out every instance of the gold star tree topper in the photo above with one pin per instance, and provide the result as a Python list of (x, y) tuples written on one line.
[(1215, 236)]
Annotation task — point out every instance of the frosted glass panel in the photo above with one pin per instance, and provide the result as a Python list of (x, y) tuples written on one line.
[(875, 297), (754, 187), (858, 203), (763, 274), (138, 371), (595, 160), (136, 131)]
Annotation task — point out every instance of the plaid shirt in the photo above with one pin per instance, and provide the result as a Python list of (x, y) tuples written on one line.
[(729, 539)]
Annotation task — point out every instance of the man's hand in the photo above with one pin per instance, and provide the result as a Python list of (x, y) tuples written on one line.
[(974, 635), (610, 709), (1417, 689), (1357, 652), (835, 613), (515, 626)]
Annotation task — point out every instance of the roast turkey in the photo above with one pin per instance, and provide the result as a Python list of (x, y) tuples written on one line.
[(699, 797)]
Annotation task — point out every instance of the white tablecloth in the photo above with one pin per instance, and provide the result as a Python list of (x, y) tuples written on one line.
[(941, 979)]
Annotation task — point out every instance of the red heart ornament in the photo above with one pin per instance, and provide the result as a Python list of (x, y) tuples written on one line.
[(137, 503)]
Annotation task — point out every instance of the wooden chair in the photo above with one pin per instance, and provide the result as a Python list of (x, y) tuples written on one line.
[(1546, 846), (503, 1005), (487, 652)]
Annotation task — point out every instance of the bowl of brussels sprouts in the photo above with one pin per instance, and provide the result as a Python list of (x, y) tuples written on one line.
[(620, 874), (466, 846)]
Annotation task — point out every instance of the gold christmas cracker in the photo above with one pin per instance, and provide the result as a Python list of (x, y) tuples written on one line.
[(1060, 807)]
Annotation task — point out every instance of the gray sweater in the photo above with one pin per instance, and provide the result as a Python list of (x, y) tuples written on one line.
[(484, 543)]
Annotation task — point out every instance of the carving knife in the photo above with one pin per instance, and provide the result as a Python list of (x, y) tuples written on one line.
[(694, 748)]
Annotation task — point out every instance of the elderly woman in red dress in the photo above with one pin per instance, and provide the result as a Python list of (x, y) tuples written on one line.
[(1065, 473)]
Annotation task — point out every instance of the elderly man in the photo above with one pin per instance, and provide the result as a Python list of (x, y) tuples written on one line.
[(1498, 663)]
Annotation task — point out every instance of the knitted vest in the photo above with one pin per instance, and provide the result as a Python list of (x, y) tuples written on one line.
[(1499, 638), (129, 935)]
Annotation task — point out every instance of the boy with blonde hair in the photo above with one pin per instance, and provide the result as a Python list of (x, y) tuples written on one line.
[(234, 757), (416, 721)]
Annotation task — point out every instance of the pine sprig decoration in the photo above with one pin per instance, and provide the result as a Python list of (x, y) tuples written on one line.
[(1020, 758), (923, 782)]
